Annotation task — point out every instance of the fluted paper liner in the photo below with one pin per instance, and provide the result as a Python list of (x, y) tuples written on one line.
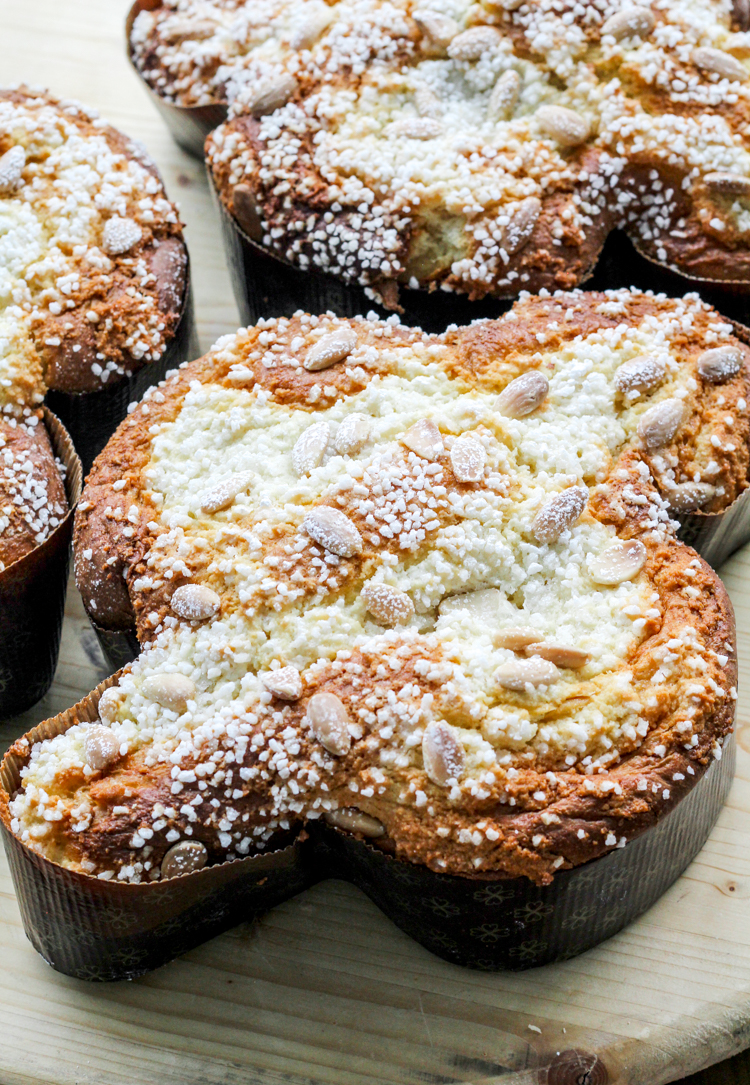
[(32, 597), (106, 930), (188, 125), (92, 417)]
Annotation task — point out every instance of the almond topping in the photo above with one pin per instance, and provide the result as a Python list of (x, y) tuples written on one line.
[(559, 513), (183, 858), (442, 754), (635, 22), (640, 374), (11, 169), (424, 438), (482, 604), (285, 683), (518, 674), (515, 637), (171, 691), (720, 63), (562, 655), (331, 349), (517, 231), (417, 128), (440, 29), (100, 747), (427, 102), (523, 395), (619, 562), (195, 602), (110, 703), (659, 423), (222, 496), (468, 458), (333, 531), (330, 723), (472, 43), (690, 496), (309, 30), (504, 97), (352, 820), (310, 448), (720, 363), (352, 435), (564, 125), (120, 235), (388, 605), (269, 94)]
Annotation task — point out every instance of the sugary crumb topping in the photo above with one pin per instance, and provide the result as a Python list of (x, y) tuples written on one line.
[(479, 147), (82, 214), (396, 589)]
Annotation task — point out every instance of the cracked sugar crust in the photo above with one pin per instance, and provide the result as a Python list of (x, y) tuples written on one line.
[(401, 616), (32, 495), (92, 260), (467, 146)]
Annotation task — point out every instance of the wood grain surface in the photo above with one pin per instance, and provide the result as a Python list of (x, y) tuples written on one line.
[(324, 990)]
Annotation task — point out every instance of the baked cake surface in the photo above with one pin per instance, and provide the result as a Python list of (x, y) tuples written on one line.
[(92, 262), (424, 587), (32, 494), (479, 147)]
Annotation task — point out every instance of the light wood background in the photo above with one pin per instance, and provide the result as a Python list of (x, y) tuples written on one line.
[(324, 989)]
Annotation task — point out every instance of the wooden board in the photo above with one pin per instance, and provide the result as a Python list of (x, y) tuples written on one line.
[(324, 990)]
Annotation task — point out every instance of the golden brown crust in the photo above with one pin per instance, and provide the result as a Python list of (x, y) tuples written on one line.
[(32, 494)]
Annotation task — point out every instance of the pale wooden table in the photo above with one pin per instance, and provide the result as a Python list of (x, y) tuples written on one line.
[(324, 989)]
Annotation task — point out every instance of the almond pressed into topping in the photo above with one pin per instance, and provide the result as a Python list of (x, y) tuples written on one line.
[(442, 754), (171, 691), (11, 169), (352, 435), (618, 563), (333, 530), (689, 496), (269, 94), (120, 235), (100, 747), (352, 820), (632, 22), (517, 674), (523, 395), (330, 723), (307, 32), (470, 44), (504, 97), (184, 858), (720, 363), (110, 703), (424, 438), (720, 63), (515, 637), (483, 604), (195, 602), (522, 219), (440, 29), (388, 605), (417, 128), (640, 374), (310, 448), (562, 655), (331, 349), (565, 126), (285, 683), (559, 513), (468, 458), (659, 423), (223, 495)]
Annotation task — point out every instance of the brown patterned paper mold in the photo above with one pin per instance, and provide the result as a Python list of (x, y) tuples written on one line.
[(40, 483), (397, 594), (99, 301)]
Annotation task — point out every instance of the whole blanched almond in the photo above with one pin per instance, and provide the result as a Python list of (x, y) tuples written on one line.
[(427, 102), (223, 495), (442, 753), (515, 637), (175, 30), (309, 29), (504, 97), (101, 748), (247, 211), (352, 820), (659, 423), (482, 604), (720, 363), (640, 374), (417, 128), (270, 93), (310, 448), (472, 43), (720, 63), (388, 605), (11, 169), (468, 458), (618, 563), (523, 395), (440, 29), (632, 22), (564, 125), (110, 703), (517, 674), (183, 858), (195, 602), (724, 183), (170, 690), (353, 434), (331, 349), (690, 496), (333, 531), (562, 655), (330, 723), (120, 235), (285, 683), (524, 216), (559, 513), (424, 438)]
